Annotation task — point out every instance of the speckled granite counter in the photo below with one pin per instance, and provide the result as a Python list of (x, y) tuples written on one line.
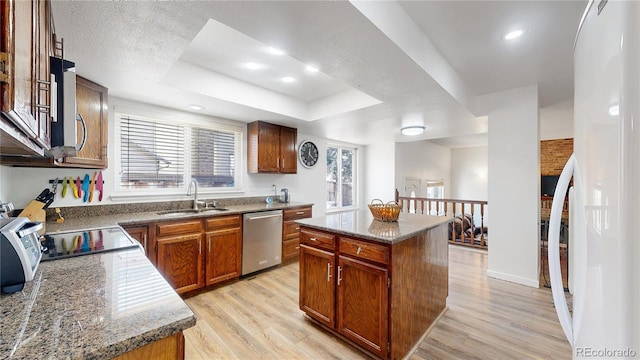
[(362, 224), (90, 307), (131, 218)]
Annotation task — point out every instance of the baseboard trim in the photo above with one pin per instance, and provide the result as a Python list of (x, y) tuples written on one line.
[(535, 283)]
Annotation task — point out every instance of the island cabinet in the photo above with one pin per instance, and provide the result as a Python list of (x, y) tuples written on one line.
[(180, 254), (381, 295), (291, 231), (271, 148), (224, 248)]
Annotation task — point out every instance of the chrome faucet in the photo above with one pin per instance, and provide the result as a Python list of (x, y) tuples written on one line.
[(194, 184)]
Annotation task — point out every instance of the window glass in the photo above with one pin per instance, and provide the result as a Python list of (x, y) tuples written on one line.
[(341, 189)]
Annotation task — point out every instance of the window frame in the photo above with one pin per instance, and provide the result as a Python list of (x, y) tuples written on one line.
[(120, 192), (354, 178)]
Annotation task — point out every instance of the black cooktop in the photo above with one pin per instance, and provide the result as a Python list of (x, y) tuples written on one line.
[(76, 243)]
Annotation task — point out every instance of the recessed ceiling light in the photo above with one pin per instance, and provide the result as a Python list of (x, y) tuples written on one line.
[(514, 34), (252, 66), (288, 79), (412, 130), (195, 107), (312, 69), (275, 51), (614, 110)]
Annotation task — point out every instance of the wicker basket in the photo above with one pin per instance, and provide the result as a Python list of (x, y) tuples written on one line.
[(385, 212)]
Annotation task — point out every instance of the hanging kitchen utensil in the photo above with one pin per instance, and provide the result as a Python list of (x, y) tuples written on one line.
[(100, 185), (79, 186), (74, 189), (64, 186), (85, 188), (92, 186)]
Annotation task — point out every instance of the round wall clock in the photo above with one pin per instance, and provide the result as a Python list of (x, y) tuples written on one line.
[(308, 153)]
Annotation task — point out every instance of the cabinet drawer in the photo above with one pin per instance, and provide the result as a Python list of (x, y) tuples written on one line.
[(364, 250), (290, 228), (221, 222), (293, 214), (318, 239), (178, 227), (290, 249)]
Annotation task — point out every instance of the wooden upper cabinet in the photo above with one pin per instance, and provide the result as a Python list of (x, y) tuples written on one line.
[(271, 148), (25, 83), (91, 100)]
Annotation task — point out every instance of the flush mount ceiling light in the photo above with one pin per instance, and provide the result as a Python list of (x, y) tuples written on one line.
[(196, 107), (514, 34), (412, 130), (614, 110), (275, 51), (311, 69), (288, 79), (252, 66)]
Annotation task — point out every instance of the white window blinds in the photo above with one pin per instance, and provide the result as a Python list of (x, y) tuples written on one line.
[(156, 154), (213, 157), (152, 154)]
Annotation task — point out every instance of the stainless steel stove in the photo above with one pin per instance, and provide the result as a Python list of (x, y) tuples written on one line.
[(86, 242)]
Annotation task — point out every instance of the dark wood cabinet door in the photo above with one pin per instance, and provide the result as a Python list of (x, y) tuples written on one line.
[(180, 261), (288, 154), (363, 304), (91, 100), (223, 255), (268, 147), (317, 284), (141, 234)]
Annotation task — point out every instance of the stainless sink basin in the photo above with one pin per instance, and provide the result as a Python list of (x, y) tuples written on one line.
[(190, 211)]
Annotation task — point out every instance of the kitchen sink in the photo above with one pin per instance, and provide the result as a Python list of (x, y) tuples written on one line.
[(190, 211)]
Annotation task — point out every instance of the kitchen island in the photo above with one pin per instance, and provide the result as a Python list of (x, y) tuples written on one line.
[(380, 285), (97, 306)]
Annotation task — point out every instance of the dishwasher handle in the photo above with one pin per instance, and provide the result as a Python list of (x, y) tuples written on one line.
[(264, 217)]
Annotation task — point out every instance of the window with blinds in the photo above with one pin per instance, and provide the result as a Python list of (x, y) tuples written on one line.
[(151, 154), (166, 155)]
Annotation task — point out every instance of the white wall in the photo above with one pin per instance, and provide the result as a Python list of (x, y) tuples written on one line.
[(556, 121), (469, 178), (379, 170), (514, 170), (20, 185), (422, 160)]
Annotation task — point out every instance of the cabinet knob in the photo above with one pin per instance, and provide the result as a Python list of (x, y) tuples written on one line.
[(313, 239), (359, 250), (339, 274), (328, 271)]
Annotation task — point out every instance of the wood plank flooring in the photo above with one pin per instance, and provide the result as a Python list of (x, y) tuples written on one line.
[(258, 318)]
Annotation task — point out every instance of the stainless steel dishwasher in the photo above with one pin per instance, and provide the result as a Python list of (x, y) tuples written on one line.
[(261, 240)]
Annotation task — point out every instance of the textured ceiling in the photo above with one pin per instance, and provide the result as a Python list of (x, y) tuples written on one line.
[(131, 47)]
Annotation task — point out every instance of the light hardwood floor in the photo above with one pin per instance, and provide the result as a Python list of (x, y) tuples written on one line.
[(258, 318)]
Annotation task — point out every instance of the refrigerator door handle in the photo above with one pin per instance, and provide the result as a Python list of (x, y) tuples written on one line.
[(554, 249)]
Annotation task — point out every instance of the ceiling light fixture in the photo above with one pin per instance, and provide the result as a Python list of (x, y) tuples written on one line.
[(275, 51), (412, 130), (311, 69), (514, 34), (614, 110), (288, 79), (196, 107), (252, 66)]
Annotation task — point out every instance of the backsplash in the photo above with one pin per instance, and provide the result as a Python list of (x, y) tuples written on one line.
[(98, 210)]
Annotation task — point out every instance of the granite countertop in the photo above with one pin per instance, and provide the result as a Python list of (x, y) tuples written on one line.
[(362, 224), (90, 307), (94, 220)]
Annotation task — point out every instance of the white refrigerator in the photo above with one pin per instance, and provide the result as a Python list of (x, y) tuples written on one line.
[(605, 202)]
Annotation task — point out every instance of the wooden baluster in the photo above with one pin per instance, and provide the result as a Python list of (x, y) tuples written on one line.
[(462, 237), (422, 207), (482, 240), (473, 225)]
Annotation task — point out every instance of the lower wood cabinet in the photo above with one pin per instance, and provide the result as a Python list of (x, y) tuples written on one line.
[(224, 248), (318, 284), (351, 298), (291, 231), (141, 234), (169, 348), (180, 260)]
